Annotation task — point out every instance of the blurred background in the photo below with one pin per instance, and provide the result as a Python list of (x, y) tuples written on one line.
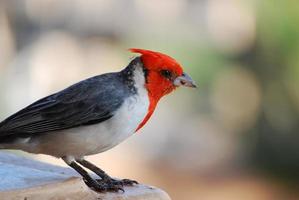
[(235, 137)]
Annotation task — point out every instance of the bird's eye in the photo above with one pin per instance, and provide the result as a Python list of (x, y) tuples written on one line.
[(166, 73)]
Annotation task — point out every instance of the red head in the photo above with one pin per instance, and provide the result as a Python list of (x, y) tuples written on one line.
[(164, 74)]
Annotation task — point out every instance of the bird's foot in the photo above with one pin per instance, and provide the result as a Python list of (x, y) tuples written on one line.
[(104, 186), (124, 182), (112, 185)]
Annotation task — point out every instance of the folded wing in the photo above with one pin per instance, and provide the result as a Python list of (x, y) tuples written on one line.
[(88, 102)]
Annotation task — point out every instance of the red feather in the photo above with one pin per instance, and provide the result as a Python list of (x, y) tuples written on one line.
[(157, 85)]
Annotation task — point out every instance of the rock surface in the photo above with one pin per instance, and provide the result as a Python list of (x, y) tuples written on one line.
[(26, 179)]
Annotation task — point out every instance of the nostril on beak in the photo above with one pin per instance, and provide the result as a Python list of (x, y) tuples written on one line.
[(184, 80)]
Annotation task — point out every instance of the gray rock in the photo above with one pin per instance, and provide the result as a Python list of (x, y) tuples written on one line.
[(23, 178)]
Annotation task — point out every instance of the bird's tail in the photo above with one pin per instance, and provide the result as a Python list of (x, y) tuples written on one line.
[(2, 144), (3, 141), (6, 145)]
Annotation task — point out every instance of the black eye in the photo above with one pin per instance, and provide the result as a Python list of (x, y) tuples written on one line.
[(166, 73)]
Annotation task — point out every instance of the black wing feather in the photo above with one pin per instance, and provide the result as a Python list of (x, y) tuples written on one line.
[(88, 102)]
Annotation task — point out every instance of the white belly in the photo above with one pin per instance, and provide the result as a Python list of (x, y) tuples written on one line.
[(92, 139)]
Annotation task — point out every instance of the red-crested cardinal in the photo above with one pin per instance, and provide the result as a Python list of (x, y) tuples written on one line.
[(95, 115)]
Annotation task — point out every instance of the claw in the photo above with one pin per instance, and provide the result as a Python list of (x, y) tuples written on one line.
[(124, 182), (103, 186), (128, 182), (112, 185)]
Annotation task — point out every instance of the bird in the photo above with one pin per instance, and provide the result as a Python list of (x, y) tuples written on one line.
[(95, 114)]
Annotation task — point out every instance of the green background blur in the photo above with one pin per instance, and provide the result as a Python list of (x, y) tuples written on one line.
[(235, 137)]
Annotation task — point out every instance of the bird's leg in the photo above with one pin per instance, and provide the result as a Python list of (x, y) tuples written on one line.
[(94, 168), (105, 177), (89, 181)]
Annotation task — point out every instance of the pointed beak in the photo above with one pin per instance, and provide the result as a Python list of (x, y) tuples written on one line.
[(184, 80)]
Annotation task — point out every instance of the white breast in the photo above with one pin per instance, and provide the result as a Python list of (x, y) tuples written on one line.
[(93, 139)]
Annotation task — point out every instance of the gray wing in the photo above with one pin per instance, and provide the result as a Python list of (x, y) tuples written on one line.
[(88, 102)]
